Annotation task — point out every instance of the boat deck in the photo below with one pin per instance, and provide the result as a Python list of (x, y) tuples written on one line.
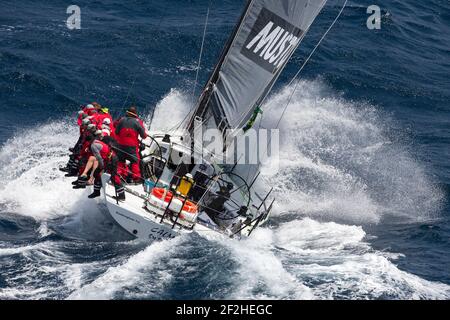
[(134, 217)]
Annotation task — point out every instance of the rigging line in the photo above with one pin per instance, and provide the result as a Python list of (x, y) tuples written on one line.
[(224, 54), (129, 91), (307, 60), (201, 50), (223, 57), (178, 125)]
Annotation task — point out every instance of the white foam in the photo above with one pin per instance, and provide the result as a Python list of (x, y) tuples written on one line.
[(343, 265), (46, 264), (20, 293), (17, 250), (261, 274), (170, 111), (130, 272), (33, 185), (338, 161), (306, 259)]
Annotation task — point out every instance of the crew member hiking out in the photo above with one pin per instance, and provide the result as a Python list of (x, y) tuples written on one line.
[(83, 119), (85, 158), (102, 115), (127, 132), (103, 159)]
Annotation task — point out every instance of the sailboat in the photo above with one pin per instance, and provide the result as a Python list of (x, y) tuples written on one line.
[(187, 187)]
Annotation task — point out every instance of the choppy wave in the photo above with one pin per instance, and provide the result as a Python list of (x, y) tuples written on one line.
[(338, 163), (307, 259)]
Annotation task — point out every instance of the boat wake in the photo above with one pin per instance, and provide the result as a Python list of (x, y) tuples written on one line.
[(33, 185), (340, 170)]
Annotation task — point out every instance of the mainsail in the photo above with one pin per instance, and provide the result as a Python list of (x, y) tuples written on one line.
[(268, 33)]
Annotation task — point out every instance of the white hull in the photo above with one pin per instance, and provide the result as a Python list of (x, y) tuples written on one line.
[(145, 218), (132, 216)]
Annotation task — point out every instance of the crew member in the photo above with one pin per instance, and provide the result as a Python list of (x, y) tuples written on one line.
[(216, 206), (108, 124), (127, 132), (83, 119), (102, 114), (85, 152), (103, 158)]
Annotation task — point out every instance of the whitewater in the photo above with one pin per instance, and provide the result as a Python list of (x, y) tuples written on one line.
[(341, 171)]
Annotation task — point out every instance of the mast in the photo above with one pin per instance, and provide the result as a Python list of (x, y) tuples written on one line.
[(202, 103), (266, 36)]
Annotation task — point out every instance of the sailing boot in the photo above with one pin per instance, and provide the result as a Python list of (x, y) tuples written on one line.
[(71, 162), (77, 184), (120, 194), (96, 193), (82, 179), (71, 168), (71, 174), (80, 183)]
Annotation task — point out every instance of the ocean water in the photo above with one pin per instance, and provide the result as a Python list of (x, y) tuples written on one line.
[(363, 189)]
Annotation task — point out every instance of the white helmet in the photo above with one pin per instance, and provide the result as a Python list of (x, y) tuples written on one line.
[(98, 132), (105, 126), (106, 132), (91, 127), (80, 112), (90, 106), (86, 122), (106, 121)]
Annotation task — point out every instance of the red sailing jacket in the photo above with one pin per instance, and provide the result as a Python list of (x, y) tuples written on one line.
[(127, 131), (80, 116), (85, 152), (80, 120), (101, 151), (100, 117)]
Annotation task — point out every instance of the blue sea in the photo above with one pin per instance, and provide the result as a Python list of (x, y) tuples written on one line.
[(363, 185)]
